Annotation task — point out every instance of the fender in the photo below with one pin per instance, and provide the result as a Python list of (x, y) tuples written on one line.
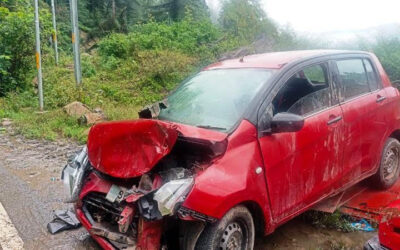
[(229, 181), (393, 116)]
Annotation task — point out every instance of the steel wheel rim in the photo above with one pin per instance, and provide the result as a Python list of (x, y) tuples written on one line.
[(234, 237), (390, 163)]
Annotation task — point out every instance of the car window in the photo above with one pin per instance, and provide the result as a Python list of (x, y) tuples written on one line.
[(315, 74), (215, 99), (353, 77), (306, 92), (372, 79)]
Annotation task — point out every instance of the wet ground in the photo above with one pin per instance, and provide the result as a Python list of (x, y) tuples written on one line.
[(31, 189)]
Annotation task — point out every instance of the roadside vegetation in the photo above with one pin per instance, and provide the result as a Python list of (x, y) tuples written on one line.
[(336, 220), (129, 62)]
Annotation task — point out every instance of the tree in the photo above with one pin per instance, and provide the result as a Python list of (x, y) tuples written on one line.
[(388, 51), (105, 16), (17, 43), (246, 20), (197, 8)]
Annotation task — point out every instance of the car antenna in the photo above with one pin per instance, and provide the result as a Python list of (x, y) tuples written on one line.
[(241, 59)]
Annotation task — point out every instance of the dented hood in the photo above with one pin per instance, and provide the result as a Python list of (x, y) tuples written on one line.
[(128, 149)]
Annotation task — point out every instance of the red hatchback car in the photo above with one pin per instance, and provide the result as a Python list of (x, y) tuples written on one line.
[(239, 148)]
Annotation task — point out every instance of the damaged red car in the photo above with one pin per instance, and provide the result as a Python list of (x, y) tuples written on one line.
[(237, 150)]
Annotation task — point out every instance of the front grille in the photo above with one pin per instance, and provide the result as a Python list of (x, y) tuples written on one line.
[(101, 209), (104, 216)]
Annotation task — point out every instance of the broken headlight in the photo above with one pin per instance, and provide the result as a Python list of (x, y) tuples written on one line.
[(73, 174), (172, 193)]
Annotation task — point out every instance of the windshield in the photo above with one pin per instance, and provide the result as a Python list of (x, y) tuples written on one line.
[(214, 99)]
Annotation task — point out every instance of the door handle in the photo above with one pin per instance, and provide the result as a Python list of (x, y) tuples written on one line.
[(380, 98), (334, 120)]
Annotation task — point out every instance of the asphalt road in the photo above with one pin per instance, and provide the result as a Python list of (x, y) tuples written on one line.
[(30, 190)]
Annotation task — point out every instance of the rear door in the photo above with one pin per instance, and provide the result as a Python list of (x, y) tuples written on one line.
[(301, 167), (363, 119)]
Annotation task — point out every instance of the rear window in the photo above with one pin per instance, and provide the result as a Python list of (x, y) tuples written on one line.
[(353, 77)]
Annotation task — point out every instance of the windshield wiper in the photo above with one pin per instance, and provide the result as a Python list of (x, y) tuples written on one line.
[(210, 127)]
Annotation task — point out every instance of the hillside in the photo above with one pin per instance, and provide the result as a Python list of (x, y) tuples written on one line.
[(132, 63)]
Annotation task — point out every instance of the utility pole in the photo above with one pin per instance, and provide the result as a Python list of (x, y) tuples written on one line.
[(53, 11), (75, 41), (38, 56)]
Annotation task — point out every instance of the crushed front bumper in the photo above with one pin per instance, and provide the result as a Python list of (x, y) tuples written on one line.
[(115, 225), (105, 244)]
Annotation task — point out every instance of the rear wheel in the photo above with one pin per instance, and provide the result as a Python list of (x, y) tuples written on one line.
[(389, 168), (234, 231)]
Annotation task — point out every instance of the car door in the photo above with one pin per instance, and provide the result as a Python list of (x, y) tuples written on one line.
[(362, 101), (302, 167)]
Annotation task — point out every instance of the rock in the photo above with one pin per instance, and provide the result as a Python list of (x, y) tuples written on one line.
[(35, 81), (91, 119), (5, 122), (98, 110), (70, 66), (76, 109), (84, 114)]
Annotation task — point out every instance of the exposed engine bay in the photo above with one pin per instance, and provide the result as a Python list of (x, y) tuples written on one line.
[(140, 212)]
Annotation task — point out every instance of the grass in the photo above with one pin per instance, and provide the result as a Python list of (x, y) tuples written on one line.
[(49, 125), (55, 124), (118, 86)]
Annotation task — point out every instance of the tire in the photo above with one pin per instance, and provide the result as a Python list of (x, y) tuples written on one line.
[(236, 226), (389, 166)]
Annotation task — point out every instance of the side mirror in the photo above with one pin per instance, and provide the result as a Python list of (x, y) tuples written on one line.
[(286, 122)]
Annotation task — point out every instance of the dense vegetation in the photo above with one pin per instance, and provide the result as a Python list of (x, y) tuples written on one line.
[(132, 55)]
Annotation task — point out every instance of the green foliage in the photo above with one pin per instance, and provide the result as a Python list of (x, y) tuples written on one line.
[(386, 48), (14, 4), (187, 36), (154, 51), (335, 220), (17, 43), (129, 70), (159, 72), (115, 45), (88, 69), (388, 52), (197, 9), (245, 20), (101, 17)]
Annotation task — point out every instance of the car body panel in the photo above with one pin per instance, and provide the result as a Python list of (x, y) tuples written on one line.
[(302, 166), (275, 60), (364, 125), (233, 178)]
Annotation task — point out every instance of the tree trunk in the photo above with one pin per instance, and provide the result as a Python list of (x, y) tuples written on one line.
[(113, 10)]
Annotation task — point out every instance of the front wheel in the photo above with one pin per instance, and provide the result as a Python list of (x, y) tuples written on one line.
[(389, 167), (234, 231)]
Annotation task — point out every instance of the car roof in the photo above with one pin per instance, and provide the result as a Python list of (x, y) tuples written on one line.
[(275, 60)]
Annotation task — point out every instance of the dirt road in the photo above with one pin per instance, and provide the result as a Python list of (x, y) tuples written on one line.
[(31, 188)]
